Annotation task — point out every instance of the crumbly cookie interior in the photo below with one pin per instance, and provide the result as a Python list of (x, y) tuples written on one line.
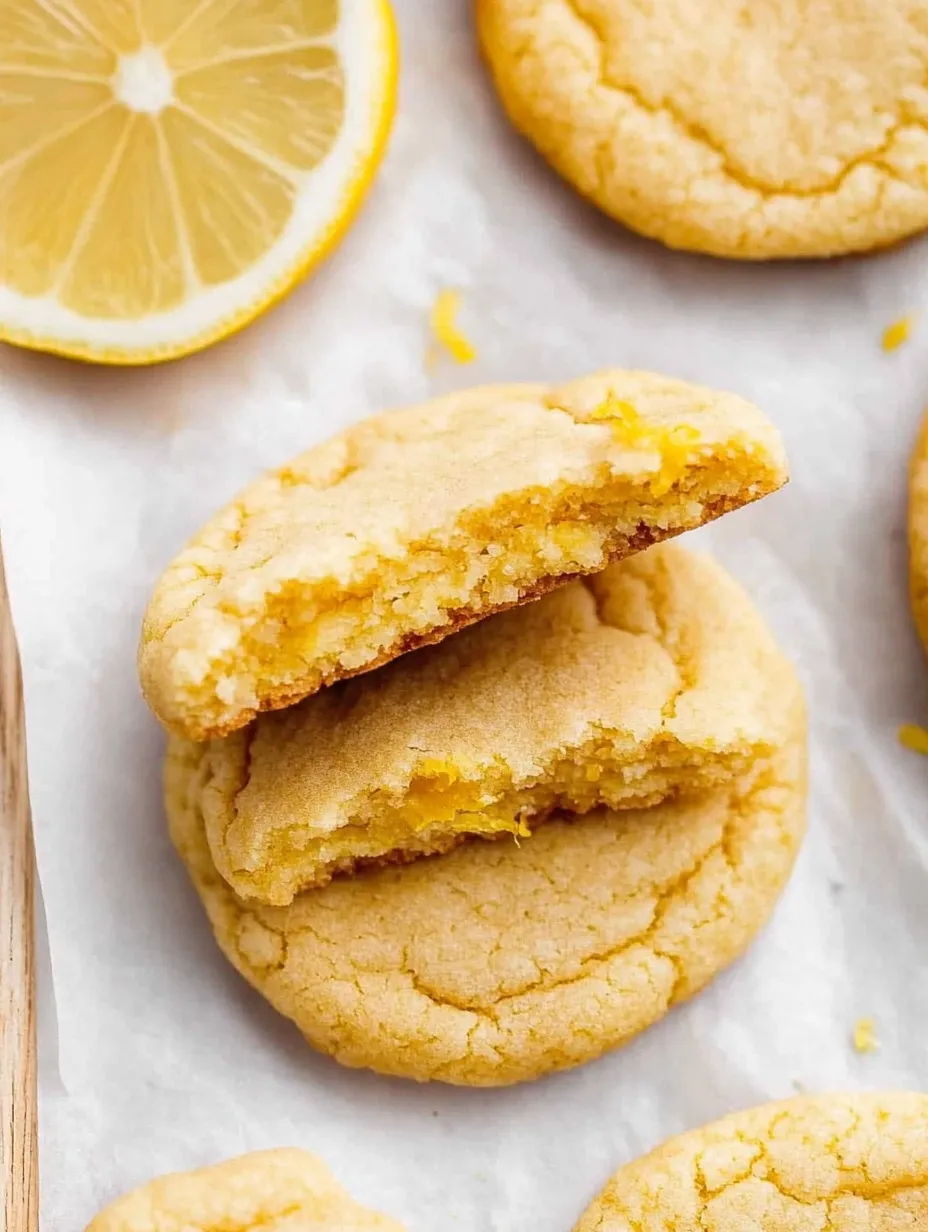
[(620, 690), (412, 524), (306, 635), (440, 809)]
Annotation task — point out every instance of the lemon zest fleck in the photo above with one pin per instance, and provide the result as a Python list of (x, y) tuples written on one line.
[(444, 327), (913, 737), (864, 1036), (675, 445), (433, 767), (894, 335), (618, 412)]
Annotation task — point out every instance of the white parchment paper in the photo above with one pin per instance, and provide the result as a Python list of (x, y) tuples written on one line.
[(156, 1056)]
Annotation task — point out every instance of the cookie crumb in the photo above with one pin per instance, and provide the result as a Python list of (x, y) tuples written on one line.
[(894, 335), (445, 329), (913, 737), (864, 1036)]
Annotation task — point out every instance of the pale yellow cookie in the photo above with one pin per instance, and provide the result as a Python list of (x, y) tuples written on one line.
[(652, 677), (855, 1162), (276, 1191), (918, 532), (498, 963), (746, 129), (414, 523)]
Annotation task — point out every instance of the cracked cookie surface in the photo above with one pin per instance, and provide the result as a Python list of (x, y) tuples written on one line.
[(855, 1162), (653, 678), (918, 533), (498, 963), (744, 130), (277, 1191), (412, 524)]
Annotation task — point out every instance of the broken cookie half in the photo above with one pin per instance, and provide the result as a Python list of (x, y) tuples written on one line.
[(654, 678), (415, 523), (496, 964)]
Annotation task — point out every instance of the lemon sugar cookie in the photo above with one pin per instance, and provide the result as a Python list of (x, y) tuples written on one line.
[(276, 1191), (498, 963), (744, 130), (415, 523), (854, 1162), (654, 677), (918, 532)]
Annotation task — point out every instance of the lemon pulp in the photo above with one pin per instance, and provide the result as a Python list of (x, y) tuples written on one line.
[(168, 167)]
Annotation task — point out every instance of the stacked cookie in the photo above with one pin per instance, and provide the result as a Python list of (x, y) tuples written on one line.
[(633, 740)]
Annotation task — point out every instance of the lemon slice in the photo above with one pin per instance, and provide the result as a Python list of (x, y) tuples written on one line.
[(170, 168)]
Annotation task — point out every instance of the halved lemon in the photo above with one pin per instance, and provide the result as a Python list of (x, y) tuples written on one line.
[(170, 168)]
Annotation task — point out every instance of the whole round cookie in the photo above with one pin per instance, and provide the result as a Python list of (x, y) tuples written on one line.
[(855, 1162), (918, 533), (752, 130), (497, 963), (277, 1191)]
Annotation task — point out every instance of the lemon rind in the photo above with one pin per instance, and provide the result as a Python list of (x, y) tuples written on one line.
[(381, 106)]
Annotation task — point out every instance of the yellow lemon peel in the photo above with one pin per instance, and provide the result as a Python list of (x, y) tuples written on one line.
[(675, 445), (445, 329), (894, 335), (864, 1036), (913, 737)]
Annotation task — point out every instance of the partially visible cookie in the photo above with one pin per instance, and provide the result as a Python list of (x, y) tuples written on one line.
[(276, 1191), (741, 129), (498, 963), (412, 524), (655, 677), (855, 1162), (918, 533)]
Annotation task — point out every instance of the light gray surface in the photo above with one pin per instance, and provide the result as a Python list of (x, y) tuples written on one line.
[(166, 1059)]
